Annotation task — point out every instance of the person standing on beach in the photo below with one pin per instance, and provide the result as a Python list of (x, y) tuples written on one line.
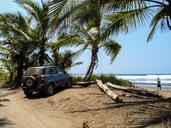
[(158, 84)]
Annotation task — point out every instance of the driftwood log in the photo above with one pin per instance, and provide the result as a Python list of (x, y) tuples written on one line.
[(117, 86), (85, 83), (142, 92), (108, 92)]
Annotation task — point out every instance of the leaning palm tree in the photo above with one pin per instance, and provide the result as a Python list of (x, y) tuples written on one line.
[(89, 32), (86, 37)]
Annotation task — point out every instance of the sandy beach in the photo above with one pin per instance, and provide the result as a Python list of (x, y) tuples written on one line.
[(69, 108)]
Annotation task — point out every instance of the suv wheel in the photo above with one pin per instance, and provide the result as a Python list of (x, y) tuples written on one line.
[(30, 81), (28, 93), (49, 89)]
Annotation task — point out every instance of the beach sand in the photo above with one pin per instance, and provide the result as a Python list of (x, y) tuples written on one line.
[(69, 108)]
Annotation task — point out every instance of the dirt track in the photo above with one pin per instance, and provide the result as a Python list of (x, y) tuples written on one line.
[(18, 113), (68, 108)]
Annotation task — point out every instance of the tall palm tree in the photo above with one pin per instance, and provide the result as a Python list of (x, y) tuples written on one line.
[(40, 17), (87, 38), (89, 32), (16, 33), (44, 19)]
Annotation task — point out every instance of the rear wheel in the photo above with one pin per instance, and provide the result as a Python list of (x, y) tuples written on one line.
[(30, 81), (49, 89)]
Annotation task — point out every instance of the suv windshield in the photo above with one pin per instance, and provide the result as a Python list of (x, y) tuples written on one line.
[(33, 71)]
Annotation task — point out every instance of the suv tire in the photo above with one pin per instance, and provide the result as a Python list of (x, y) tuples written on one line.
[(49, 89), (30, 82)]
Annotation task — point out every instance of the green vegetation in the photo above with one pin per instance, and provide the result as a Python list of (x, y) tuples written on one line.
[(3, 75), (136, 13), (105, 78)]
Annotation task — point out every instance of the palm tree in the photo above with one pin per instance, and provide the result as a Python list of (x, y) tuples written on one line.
[(40, 17), (87, 37), (44, 19), (89, 32), (16, 33), (64, 60)]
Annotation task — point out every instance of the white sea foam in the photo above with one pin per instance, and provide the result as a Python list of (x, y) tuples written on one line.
[(147, 79)]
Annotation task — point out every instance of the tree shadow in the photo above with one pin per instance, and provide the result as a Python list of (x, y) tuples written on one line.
[(4, 122), (124, 104), (152, 114), (144, 113), (9, 86), (8, 93), (3, 100)]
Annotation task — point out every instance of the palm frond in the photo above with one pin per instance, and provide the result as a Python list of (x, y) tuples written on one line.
[(31, 7), (160, 19), (112, 48), (122, 21), (69, 41), (83, 32), (60, 13)]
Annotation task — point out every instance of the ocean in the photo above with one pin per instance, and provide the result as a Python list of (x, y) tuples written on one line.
[(147, 79)]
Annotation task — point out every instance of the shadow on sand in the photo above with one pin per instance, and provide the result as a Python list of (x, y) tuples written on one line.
[(41, 95), (4, 122), (3, 100), (144, 113)]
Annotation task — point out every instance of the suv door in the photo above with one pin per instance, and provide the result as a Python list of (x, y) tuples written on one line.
[(63, 76), (53, 75)]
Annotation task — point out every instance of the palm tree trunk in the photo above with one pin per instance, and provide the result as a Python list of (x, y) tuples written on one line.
[(20, 67), (94, 60), (42, 55), (19, 76), (11, 77), (56, 56)]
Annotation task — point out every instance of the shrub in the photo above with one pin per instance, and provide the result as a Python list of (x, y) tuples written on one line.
[(105, 78), (3, 75)]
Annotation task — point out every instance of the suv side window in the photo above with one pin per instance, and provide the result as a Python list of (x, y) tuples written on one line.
[(52, 70), (61, 71)]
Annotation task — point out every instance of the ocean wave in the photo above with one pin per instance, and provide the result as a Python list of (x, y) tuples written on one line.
[(146, 79)]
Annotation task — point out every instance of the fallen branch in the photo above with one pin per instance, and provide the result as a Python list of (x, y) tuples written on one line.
[(117, 86), (85, 84), (135, 91), (108, 92)]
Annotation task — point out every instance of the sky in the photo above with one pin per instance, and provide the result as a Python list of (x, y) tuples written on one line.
[(136, 56)]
